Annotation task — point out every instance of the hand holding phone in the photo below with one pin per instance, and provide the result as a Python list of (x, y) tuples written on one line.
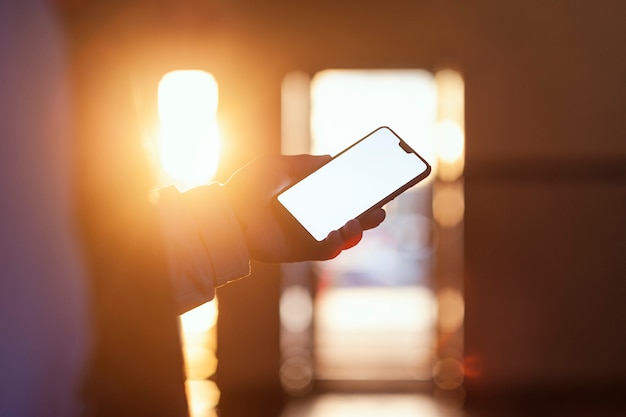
[(270, 233), (364, 176)]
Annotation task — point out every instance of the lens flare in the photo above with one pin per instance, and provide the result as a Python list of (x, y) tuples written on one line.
[(189, 136)]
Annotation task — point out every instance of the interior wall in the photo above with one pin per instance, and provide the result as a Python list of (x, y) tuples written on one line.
[(545, 199)]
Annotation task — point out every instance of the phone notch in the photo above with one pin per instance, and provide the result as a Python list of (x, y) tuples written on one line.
[(405, 147)]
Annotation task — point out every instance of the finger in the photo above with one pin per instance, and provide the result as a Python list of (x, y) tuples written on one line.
[(373, 219), (352, 233), (330, 247), (339, 240)]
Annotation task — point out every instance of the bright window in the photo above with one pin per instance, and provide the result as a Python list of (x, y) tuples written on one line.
[(377, 310), (189, 138), (188, 149)]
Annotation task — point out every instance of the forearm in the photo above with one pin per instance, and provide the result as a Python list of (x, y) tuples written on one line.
[(205, 247)]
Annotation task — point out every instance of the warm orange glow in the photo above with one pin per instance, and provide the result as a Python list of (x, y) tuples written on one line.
[(359, 328), (450, 142), (188, 147), (200, 319), (199, 344), (448, 204), (381, 328), (347, 104), (451, 94), (203, 397), (403, 309), (448, 211), (449, 132), (296, 309), (448, 373), (451, 309), (189, 138), (450, 401), (200, 362), (296, 113), (472, 366), (355, 405)]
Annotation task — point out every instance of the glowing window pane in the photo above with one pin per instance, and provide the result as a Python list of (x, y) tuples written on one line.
[(375, 309), (189, 138), (346, 105), (450, 136)]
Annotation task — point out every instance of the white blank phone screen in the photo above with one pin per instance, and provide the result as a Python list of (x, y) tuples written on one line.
[(351, 183)]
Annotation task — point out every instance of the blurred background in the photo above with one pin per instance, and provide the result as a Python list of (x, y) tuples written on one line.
[(496, 286)]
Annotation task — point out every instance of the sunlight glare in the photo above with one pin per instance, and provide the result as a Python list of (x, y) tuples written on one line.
[(368, 308), (200, 319), (374, 313), (199, 343), (450, 136), (200, 362), (374, 405), (348, 104), (189, 137), (203, 397), (450, 142), (449, 204)]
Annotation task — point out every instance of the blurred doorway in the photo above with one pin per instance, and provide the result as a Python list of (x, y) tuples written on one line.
[(372, 314)]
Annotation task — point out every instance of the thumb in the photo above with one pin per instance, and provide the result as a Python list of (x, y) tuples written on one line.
[(299, 166)]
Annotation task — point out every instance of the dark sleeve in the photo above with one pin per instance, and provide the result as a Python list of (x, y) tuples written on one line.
[(205, 246)]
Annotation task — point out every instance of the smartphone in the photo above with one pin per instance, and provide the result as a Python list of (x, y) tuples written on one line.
[(365, 176)]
